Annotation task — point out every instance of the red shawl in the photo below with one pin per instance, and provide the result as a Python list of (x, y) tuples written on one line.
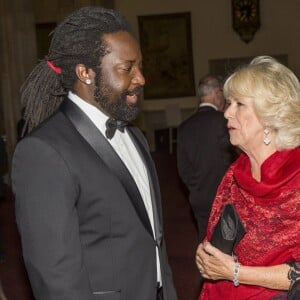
[(270, 211)]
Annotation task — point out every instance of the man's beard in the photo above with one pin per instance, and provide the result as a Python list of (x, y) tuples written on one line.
[(117, 107)]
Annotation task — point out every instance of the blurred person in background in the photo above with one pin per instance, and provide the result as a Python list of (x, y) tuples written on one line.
[(203, 149)]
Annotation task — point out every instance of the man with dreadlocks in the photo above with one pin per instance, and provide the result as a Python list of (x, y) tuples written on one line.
[(87, 197)]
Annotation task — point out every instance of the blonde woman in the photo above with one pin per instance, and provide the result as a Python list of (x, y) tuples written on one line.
[(263, 120)]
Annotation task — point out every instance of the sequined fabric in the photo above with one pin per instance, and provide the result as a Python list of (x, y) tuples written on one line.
[(270, 211)]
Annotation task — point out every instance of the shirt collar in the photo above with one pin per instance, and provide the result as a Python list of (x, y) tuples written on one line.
[(208, 104), (95, 114)]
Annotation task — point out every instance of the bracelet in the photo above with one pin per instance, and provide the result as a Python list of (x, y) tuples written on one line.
[(236, 271)]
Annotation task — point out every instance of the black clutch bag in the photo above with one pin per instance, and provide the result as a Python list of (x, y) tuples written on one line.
[(228, 231), (294, 293), (294, 277)]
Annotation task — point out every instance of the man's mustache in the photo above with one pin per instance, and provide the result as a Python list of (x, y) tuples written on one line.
[(137, 91)]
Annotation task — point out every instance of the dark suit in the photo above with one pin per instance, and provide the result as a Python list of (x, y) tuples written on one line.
[(84, 227), (203, 155)]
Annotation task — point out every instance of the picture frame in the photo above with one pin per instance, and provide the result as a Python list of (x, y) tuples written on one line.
[(166, 46)]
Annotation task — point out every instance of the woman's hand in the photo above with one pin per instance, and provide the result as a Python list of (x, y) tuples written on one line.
[(213, 263)]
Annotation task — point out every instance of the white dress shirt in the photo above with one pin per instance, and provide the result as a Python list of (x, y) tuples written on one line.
[(124, 147)]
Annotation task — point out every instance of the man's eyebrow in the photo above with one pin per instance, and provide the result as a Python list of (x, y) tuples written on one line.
[(131, 61)]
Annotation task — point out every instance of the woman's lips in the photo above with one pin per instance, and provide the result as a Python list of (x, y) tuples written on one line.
[(230, 128)]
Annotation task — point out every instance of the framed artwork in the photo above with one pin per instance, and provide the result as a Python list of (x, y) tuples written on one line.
[(167, 55)]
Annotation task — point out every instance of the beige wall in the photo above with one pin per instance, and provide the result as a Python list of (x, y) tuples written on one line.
[(214, 38), (55, 10)]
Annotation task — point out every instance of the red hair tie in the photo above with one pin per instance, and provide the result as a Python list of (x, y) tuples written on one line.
[(57, 70)]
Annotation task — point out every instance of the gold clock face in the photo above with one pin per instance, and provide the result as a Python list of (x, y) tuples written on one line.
[(245, 10)]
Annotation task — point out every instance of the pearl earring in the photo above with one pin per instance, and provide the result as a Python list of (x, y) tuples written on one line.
[(267, 140), (88, 81)]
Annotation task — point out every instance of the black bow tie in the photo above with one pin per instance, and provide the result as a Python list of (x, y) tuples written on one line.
[(112, 125)]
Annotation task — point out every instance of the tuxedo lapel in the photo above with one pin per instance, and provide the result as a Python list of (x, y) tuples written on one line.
[(107, 154), (154, 186)]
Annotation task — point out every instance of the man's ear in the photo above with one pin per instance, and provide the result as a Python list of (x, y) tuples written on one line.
[(84, 74)]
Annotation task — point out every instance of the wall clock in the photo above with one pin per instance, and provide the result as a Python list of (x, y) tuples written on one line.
[(245, 18)]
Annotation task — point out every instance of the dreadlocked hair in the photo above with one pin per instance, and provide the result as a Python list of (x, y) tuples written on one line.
[(77, 40)]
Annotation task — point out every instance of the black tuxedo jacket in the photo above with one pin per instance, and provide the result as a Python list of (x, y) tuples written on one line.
[(84, 228), (203, 155)]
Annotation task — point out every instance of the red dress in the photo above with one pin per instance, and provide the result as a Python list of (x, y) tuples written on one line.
[(270, 211)]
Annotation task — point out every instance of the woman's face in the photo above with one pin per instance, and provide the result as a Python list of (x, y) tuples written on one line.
[(245, 130)]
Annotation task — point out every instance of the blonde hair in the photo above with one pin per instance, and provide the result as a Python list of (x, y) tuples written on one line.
[(275, 90)]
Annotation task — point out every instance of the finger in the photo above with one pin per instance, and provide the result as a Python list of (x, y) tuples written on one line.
[(215, 255), (200, 269), (199, 262), (199, 266), (199, 259), (199, 253), (199, 248), (204, 275), (211, 250)]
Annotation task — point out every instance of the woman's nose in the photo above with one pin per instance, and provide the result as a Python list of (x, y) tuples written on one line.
[(228, 112)]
